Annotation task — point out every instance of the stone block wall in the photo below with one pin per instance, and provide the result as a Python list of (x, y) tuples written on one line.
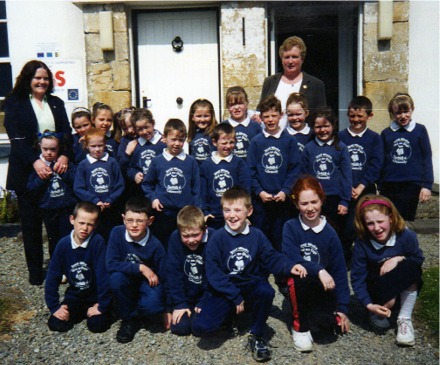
[(108, 72), (385, 63)]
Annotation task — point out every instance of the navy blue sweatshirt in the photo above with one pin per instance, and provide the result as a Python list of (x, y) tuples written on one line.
[(235, 262), (244, 133), (201, 146), (331, 167), (79, 152), (274, 163), (100, 180), (408, 156), (366, 153), (316, 251), (126, 257), (186, 271), (367, 260), (303, 137), (86, 274), (218, 175)]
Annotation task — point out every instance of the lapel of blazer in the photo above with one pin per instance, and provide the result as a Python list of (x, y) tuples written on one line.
[(305, 84), (30, 117)]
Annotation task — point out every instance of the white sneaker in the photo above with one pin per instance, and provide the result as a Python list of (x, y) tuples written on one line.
[(405, 332), (379, 322), (302, 341)]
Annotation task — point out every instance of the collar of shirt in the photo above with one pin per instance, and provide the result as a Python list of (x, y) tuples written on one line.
[(217, 159), (305, 130), (323, 143), (390, 243), (409, 127), (31, 97), (246, 230), (356, 134), (168, 156), (316, 229), (244, 123), (156, 138), (205, 237), (108, 134), (75, 245), (48, 163), (276, 135), (93, 160), (142, 242)]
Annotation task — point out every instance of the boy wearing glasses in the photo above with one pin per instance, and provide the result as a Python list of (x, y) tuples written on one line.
[(136, 263)]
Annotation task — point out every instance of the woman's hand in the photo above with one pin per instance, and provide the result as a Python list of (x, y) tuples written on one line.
[(61, 165), (390, 264), (43, 171), (326, 279)]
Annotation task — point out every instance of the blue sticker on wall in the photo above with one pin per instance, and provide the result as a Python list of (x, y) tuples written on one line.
[(72, 94)]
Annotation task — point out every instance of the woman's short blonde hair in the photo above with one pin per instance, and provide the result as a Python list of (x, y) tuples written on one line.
[(291, 42)]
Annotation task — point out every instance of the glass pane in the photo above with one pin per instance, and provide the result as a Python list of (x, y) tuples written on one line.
[(5, 79), (4, 46), (2, 9)]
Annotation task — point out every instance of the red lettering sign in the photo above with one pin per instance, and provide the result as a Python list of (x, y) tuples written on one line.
[(60, 80)]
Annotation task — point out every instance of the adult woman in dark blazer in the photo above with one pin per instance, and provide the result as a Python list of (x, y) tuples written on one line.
[(293, 53), (30, 109)]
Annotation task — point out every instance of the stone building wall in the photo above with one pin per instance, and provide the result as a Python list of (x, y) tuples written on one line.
[(385, 63)]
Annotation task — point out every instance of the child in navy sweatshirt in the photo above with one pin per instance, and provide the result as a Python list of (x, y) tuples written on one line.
[(81, 123), (99, 180), (79, 256), (238, 258), (387, 264), (102, 118), (136, 263), (220, 172), (55, 194), (407, 172), (320, 295), (274, 161), (172, 181), (245, 128), (297, 111), (186, 267)]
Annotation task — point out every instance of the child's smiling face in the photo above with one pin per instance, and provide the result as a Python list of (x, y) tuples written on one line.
[(192, 237), (323, 129), (174, 141), (271, 119), (236, 214), (145, 129), (82, 125), (402, 116), (103, 120), (225, 144), (202, 117), (358, 119), (296, 116), (136, 224)]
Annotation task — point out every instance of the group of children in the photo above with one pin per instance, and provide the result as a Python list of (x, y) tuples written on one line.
[(202, 231)]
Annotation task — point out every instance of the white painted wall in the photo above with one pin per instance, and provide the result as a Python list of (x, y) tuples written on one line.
[(423, 78), (32, 23)]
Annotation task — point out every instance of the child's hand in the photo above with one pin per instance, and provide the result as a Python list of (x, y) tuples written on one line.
[(344, 323), (43, 171), (138, 177), (342, 210), (152, 278), (299, 270), (157, 205), (101, 205), (240, 308), (167, 317), (62, 313), (93, 311), (390, 264), (425, 195), (280, 197), (61, 165), (355, 192), (178, 314), (206, 217), (131, 146), (326, 279), (380, 310), (265, 197), (197, 309)]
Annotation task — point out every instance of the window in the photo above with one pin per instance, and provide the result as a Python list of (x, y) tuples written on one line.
[(5, 64)]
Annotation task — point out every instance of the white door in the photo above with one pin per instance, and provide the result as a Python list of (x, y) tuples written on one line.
[(171, 78)]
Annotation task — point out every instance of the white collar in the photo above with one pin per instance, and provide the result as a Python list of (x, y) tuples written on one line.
[(205, 236), (276, 135), (92, 159), (217, 159), (142, 242), (156, 138), (108, 134), (44, 160), (305, 130), (246, 230), (244, 123), (356, 134), (75, 245), (323, 143), (390, 243), (316, 229), (168, 156), (409, 127)]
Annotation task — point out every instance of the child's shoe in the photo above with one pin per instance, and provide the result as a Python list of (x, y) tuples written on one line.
[(127, 331), (379, 322), (259, 348), (405, 332), (302, 341)]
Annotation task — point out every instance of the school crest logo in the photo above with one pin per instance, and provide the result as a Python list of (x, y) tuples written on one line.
[(242, 145), (238, 259), (310, 252), (301, 147), (133, 258), (401, 151), (323, 166), (272, 160), (222, 181), (145, 160), (193, 268), (201, 149), (109, 148), (100, 180), (81, 275), (56, 186), (358, 156), (174, 181)]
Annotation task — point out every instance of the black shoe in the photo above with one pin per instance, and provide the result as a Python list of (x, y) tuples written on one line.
[(259, 348), (127, 331)]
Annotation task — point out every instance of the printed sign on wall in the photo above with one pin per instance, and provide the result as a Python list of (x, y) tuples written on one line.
[(68, 79)]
